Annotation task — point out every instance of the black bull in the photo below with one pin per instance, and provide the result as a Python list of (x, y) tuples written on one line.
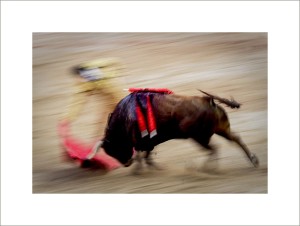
[(176, 117)]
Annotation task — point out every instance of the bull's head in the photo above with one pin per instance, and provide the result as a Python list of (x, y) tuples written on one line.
[(118, 151)]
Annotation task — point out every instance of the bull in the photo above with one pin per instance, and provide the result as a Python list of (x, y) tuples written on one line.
[(177, 117)]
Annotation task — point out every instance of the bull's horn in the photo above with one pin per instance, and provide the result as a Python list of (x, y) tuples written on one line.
[(95, 149)]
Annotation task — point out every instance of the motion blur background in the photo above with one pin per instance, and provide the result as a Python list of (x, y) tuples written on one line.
[(225, 64)]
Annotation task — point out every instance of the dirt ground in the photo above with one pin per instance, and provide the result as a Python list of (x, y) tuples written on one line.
[(225, 64)]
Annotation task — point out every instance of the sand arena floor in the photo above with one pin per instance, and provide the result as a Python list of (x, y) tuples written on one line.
[(226, 64)]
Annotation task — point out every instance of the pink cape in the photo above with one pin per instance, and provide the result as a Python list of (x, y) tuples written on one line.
[(78, 150)]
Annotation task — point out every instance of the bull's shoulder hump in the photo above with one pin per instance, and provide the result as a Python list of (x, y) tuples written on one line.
[(183, 99), (170, 99), (175, 97), (189, 103)]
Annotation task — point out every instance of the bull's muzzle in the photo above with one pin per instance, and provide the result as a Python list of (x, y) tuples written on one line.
[(130, 161)]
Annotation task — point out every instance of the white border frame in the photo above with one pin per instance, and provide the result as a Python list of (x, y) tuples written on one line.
[(279, 19)]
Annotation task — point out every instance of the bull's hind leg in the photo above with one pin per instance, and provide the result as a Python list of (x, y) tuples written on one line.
[(211, 165), (234, 137)]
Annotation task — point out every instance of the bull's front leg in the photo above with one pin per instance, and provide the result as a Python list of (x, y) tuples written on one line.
[(138, 166), (211, 165)]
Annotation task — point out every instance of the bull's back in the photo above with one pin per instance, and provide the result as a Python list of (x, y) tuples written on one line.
[(189, 116), (176, 116)]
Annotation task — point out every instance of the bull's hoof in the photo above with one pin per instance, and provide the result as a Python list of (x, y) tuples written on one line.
[(210, 166), (137, 170), (136, 173), (153, 165), (254, 160)]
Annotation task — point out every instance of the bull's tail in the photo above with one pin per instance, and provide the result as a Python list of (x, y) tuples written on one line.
[(231, 103)]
